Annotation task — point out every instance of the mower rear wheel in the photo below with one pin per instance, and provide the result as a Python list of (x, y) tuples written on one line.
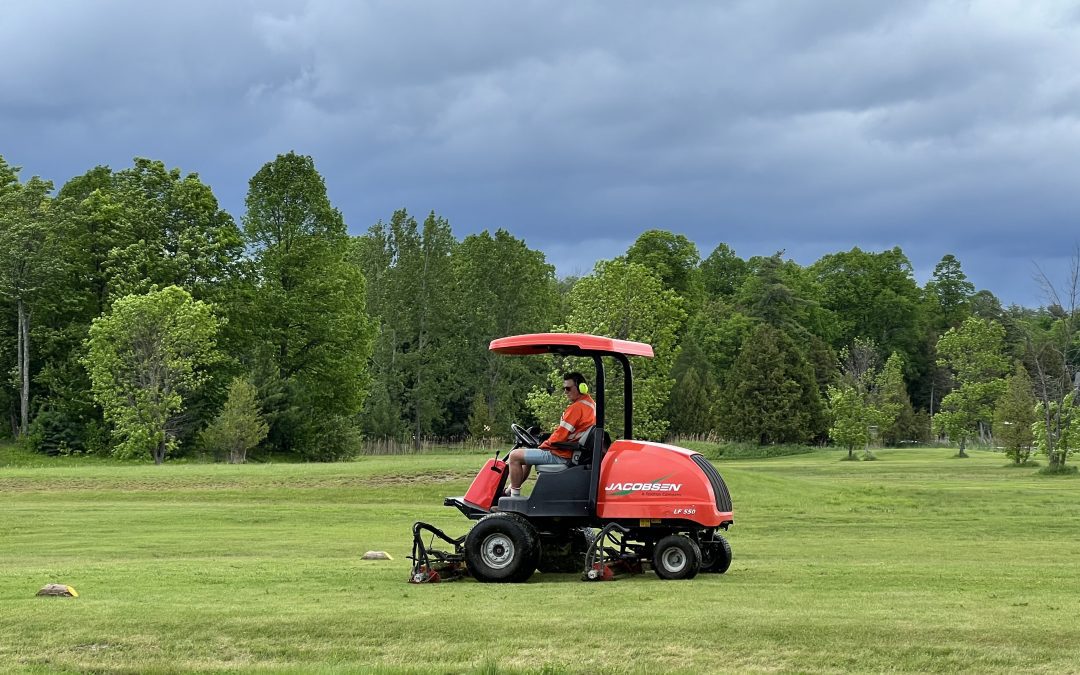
[(715, 554), (501, 548), (676, 557)]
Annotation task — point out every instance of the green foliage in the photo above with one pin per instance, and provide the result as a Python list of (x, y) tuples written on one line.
[(504, 288), (693, 403), (145, 358), (723, 272), (412, 299), (851, 424), (951, 292), (974, 353), (770, 395), (626, 301), (871, 295), (672, 258), (239, 426), (1057, 433), (891, 403), (720, 330), (30, 257), (307, 318), (1014, 415), (482, 425)]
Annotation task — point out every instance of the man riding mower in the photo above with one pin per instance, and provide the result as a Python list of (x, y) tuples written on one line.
[(652, 503)]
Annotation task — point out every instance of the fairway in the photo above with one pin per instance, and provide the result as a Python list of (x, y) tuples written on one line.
[(915, 562)]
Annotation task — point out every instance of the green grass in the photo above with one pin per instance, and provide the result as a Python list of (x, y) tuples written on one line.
[(915, 562)]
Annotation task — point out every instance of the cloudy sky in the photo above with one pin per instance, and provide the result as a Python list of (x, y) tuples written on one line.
[(810, 126)]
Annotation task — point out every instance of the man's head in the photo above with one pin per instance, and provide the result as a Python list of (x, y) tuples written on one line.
[(574, 386)]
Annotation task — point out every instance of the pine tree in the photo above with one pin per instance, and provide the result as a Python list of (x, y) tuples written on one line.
[(239, 426), (770, 395), (1014, 413)]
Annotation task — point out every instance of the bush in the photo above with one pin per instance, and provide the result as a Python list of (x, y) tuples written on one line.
[(54, 433), (332, 440), (1058, 470)]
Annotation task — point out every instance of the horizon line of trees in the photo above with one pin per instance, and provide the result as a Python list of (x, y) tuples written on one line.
[(142, 320)]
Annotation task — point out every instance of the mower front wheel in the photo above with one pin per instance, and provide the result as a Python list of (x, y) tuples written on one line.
[(501, 548), (676, 557)]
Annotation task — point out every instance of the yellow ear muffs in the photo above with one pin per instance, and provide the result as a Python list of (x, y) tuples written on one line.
[(583, 388)]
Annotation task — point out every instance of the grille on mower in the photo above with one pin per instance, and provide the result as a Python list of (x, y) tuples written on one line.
[(723, 498)]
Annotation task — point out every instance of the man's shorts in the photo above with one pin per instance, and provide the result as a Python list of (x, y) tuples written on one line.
[(534, 456)]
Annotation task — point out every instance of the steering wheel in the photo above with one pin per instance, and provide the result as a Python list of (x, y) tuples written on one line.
[(523, 436)]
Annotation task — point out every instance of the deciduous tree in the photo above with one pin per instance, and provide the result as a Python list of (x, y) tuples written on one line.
[(626, 301), (28, 259), (239, 426), (145, 358), (308, 312), (974, 353)]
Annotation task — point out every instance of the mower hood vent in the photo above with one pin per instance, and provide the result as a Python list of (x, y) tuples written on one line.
[(723, 498)]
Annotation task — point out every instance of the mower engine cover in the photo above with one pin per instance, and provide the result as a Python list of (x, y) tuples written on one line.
[(484, 491)]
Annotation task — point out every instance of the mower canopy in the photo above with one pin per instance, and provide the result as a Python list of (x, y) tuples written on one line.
[(569, 344), (594, 346)]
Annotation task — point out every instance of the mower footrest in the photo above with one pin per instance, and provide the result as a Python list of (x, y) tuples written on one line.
[(471, 512)]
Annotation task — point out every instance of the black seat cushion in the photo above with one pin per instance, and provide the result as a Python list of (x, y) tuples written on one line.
[(582, 454)]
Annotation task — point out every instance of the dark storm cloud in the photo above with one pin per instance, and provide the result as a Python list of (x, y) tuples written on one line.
[(805, 126)]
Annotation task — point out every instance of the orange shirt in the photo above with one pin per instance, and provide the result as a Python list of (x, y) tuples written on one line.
[(580, 416)]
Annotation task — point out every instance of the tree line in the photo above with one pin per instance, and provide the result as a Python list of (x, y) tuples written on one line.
[(142, 320)]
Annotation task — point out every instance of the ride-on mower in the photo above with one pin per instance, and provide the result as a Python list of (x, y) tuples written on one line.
[(652, 503)]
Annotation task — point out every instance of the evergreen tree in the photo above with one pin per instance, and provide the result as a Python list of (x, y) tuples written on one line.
[(239, 426), (951, 292), (770, 395), (693, 403), (896, 404), (1014, 415), (415, 305)]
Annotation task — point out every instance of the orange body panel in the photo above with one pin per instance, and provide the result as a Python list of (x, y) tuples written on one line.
[(643, 480)]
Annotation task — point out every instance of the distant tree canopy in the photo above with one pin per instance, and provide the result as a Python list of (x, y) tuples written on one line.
[(138, 318)]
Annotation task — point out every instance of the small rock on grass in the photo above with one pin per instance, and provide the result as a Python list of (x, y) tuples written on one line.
[(376, 555), (59, 590)]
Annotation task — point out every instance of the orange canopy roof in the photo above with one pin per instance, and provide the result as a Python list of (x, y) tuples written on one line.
[(544, 343)]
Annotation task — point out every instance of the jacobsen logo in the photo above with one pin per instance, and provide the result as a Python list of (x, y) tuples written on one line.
[(621, 489)]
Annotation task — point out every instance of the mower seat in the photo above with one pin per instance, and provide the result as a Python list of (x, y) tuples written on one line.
[(581, 454)]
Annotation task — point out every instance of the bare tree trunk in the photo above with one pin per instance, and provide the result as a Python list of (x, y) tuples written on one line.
[(420, 351), (23, 348)]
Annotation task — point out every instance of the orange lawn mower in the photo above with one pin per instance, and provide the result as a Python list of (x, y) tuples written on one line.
[(613, 508)]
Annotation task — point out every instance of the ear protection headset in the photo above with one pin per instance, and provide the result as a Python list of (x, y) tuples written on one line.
[(583, 388)]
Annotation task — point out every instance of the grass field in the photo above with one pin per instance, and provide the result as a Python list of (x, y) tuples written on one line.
[(915, 562)]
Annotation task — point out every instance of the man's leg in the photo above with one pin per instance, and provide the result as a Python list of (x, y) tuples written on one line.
[(521, 461), (519, 471)]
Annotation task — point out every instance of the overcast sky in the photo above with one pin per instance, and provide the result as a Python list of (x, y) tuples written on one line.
[(810, 126)]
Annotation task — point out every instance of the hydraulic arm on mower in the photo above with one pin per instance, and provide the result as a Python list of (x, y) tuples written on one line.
[(431, 565)]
